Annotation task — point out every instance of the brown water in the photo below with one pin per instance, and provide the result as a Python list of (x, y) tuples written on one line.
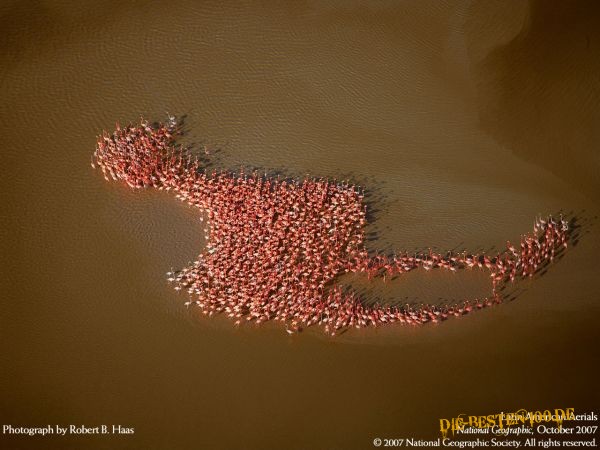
[(466, 118)]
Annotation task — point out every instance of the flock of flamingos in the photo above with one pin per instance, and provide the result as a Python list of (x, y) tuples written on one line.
[(275, 246)]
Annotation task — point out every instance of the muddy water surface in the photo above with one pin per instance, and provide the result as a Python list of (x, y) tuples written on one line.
[(464, 119)]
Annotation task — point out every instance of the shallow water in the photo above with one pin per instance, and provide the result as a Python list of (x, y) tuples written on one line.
[(464, 121)]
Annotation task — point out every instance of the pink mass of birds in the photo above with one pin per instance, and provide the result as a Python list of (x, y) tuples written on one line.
[(274, 246)]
